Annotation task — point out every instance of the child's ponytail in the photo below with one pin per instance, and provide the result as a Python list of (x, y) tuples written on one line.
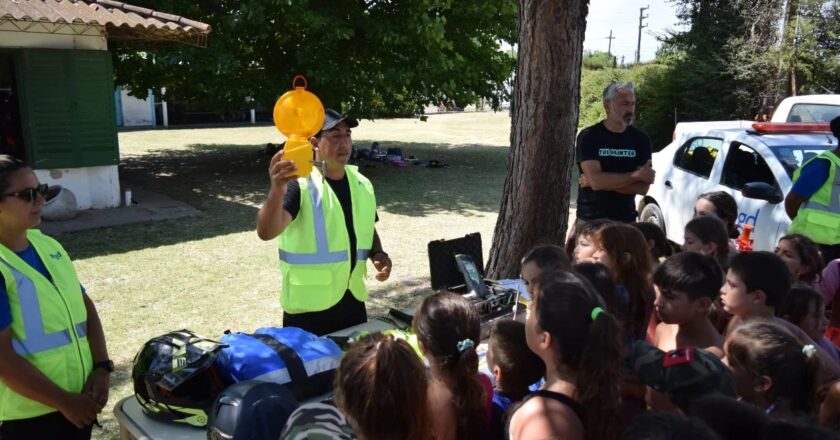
[(470, 395), (448, 327), (599, 374), (587, 340)]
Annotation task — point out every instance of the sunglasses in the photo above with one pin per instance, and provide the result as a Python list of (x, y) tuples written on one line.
[(30, 194)]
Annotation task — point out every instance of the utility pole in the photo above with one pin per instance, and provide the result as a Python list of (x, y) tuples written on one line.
[(609, 46), (642, 16)]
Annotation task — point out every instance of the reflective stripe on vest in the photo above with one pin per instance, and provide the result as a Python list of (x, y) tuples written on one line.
[(36, 339), (322, 253), (834, 199)]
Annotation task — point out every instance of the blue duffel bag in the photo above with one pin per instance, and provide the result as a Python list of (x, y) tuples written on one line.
[(304, 363)]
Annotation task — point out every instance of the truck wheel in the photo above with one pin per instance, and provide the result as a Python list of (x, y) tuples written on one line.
[(653, 214)]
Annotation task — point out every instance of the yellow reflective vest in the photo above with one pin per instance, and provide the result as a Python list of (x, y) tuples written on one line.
[(49, 323), (315, 247), (819, 217)]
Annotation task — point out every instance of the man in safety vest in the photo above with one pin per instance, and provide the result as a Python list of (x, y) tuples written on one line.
[(814, 201), (325, 225)]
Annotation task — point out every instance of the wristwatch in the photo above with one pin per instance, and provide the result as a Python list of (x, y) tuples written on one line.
[(108, 365)]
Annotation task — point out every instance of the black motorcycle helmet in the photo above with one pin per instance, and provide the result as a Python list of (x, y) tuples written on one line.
[(176, 379)]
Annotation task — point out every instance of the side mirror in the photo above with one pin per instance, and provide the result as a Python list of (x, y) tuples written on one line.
[(762, 191)]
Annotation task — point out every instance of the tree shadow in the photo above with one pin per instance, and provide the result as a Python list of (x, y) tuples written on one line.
[(228, 183)]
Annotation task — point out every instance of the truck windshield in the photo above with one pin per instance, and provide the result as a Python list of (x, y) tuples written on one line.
[(813, 112), (792, 157)]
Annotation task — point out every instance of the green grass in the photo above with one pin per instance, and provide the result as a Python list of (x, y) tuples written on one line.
[(211, 273)]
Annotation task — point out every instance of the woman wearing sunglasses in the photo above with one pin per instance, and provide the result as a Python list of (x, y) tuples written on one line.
[(54, 367)]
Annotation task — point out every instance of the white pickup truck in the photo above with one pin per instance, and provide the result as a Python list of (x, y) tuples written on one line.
[(807, 108), (753, 162)]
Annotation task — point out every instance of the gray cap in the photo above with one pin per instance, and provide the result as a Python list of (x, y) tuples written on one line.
[(333, 118)]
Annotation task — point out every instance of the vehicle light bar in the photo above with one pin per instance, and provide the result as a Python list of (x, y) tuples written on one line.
[(790, 127)]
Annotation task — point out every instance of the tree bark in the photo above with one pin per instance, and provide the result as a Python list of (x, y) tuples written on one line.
[(535, 198)]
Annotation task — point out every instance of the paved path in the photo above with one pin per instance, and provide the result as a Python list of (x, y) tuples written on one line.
[(147, 206)]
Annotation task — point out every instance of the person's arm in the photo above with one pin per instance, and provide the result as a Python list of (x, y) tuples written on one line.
[(645, 155), (381, 260), (603, 181), (830, 407), (99, 381), (811, 178), (23, 378), (634, 188), (792, 204), (272, 218)]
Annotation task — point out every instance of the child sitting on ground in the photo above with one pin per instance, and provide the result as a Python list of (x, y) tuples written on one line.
[(623, 249), (804, 307), (545, 257), (448, 330), (707, 235), (802, 257), (773, 370), (721, 205), (514, 367), (686, 285), (601, 279), (584, 245), (380, 393), (580, 345), (656, 240), (756, 283)]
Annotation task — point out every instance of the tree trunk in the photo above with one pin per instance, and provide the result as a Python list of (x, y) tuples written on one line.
[(535, 198)]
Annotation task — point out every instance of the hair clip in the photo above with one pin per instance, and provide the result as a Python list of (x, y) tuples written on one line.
[(465, 344), (595, 312), (809, 350)]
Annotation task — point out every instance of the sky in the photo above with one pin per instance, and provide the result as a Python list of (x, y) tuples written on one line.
[(622, 17)]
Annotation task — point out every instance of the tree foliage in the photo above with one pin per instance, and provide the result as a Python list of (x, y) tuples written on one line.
[(369, 57), (654, 89), (739, 58), (735, 60)]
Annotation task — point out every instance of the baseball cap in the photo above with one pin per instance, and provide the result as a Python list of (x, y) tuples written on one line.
[(683, 382), (333, 118)]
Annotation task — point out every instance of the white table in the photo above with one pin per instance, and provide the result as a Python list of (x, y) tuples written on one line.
[(136, 425)]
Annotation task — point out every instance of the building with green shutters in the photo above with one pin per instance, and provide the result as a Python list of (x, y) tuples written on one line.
[(57, 108)]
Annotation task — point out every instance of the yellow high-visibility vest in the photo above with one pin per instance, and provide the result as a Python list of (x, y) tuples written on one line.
[(315, 247), (49, 323)]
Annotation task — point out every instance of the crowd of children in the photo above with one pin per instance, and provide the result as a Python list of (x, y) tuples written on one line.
[(621, 339)]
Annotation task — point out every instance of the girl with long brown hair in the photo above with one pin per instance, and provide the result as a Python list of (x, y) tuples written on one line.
[(623, 249), (448, 329), (380, 393), (381, 388), (580, 344)]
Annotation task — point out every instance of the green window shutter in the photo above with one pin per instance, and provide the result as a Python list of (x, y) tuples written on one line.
[(68, 106), (96, 120)]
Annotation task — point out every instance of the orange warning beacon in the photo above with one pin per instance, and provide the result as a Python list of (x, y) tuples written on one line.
[(299, 115), (745, 243)]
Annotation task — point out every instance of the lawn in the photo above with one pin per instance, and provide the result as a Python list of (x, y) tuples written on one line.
[(211, 273)]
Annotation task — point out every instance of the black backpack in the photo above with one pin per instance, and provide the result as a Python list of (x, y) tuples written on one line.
[(251, 410)]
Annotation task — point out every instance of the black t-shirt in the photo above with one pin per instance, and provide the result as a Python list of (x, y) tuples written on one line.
[(617, 153), (341, 188)]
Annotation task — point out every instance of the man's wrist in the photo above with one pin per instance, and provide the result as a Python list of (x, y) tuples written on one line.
[(106, 365), (373, 254)]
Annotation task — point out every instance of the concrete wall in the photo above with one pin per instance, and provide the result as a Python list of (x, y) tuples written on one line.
[(94, 187), (136, 112)]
